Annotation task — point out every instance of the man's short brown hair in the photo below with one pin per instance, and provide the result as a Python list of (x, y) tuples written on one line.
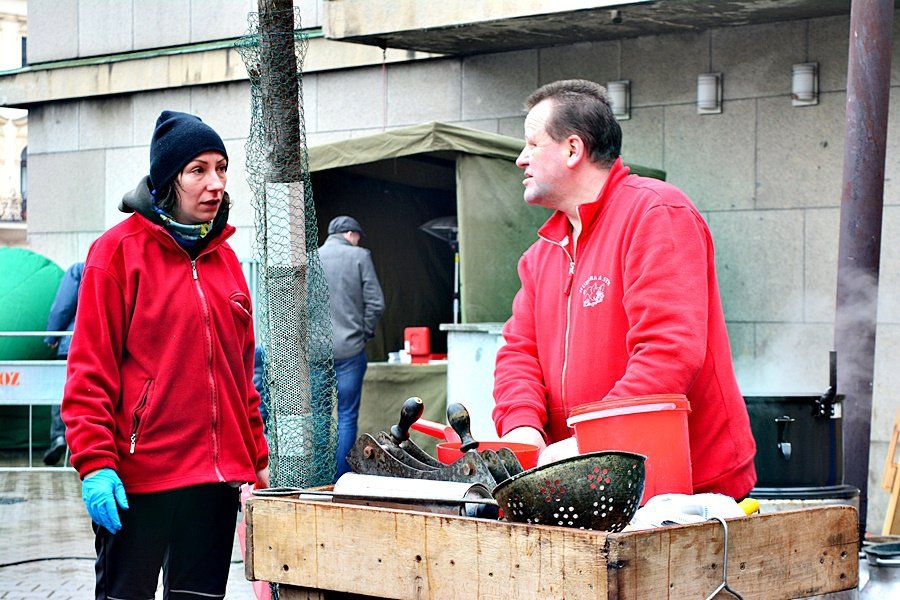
[(581, 108)]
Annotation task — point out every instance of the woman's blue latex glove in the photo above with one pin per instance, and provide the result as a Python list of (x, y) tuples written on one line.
[(101, 491)]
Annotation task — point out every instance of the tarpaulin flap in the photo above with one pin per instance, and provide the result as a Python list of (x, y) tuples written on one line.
[(428, 137), (495, 228)]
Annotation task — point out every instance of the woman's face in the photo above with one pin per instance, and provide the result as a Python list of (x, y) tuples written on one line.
[(200, 188)]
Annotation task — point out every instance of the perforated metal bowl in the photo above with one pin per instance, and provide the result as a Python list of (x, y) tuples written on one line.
[(599, 491)]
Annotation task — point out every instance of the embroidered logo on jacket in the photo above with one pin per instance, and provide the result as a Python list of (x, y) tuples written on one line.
[(593, 290)]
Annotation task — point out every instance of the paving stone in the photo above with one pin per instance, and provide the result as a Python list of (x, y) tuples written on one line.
[(48, 545)]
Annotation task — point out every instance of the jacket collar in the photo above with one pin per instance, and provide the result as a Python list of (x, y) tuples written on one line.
[(338, 238), (216, 238), (557, 227)]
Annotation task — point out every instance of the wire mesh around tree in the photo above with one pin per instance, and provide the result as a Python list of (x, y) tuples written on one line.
[(294, 321)]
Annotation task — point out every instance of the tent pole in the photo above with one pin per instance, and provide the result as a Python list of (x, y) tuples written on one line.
[(456, 287)]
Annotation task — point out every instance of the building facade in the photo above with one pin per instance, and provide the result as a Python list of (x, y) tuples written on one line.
[(13, 129), (765, 172)]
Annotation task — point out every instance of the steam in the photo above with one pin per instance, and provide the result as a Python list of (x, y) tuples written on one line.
[(854, 328), (793, 357), (784, 366)]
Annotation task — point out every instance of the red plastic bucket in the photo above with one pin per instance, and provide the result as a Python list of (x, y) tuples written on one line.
[(449, 452), (655, 426)]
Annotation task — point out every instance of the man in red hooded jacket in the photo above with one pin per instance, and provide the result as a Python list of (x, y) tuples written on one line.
[(619, 296)]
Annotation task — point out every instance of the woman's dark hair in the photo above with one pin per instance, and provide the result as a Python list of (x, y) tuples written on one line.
[(581, 108), (166, 198)]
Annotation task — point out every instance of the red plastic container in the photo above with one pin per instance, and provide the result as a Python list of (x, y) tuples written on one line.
[(417, 341), (449, 452), (655, 426)]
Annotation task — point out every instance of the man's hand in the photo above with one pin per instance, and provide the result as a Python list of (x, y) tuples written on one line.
[(558, 451), (102, 491), (262, 478), (526, 435)]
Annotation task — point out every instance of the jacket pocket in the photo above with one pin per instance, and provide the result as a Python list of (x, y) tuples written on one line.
[(241, 307), (140, 412)]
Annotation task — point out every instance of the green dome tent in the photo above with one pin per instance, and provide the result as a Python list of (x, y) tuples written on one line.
[(27, 289)]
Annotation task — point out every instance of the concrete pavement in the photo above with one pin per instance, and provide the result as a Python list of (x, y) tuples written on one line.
[(47, 548)]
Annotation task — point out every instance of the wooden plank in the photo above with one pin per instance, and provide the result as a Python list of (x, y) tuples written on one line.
[(296, 593), (891, 482), (892, 516), (784, 555), (403, 554), (889, 475)]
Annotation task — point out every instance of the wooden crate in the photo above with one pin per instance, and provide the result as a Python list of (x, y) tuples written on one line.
[(311, 547)]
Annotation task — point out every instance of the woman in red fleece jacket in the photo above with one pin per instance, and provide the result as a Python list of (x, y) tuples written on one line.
[(161, 412), (619, 296)]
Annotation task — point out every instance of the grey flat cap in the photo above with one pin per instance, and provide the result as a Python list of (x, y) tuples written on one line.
[(344, 223)]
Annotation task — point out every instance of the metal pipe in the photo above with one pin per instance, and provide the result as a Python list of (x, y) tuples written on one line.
[(862, 199)]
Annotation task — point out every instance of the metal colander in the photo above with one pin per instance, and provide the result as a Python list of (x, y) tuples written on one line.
[(599, 491)]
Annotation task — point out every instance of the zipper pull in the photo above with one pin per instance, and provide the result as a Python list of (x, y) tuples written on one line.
[(194, 269), (571, 277), (133, 442)]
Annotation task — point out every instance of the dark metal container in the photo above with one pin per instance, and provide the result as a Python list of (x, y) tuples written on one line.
[(798, 440)]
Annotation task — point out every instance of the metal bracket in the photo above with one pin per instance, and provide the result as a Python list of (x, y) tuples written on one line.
[(724, 584)]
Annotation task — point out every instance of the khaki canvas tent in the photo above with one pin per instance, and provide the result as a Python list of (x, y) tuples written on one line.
[(396, 181)]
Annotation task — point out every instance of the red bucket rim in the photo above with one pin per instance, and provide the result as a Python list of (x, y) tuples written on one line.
[(679, 400)]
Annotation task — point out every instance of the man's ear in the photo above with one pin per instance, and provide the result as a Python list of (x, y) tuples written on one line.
[(576, 149)]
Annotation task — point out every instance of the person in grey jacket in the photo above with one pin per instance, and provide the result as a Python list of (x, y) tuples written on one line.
[(356, 304), (61, 318)]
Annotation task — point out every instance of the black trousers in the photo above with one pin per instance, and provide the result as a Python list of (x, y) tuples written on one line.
[(188, 533)]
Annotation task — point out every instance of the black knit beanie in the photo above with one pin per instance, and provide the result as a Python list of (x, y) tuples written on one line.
[(177, 139)]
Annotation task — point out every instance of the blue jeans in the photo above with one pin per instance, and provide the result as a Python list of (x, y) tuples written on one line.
[(57, 427), (349, 373)]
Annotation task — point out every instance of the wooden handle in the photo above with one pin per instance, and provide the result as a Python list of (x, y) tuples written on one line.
[(458, 417), (410, 412)]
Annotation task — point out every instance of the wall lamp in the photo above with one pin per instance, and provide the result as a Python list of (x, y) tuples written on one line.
[(709, 93), (620, 98), (805, 84)]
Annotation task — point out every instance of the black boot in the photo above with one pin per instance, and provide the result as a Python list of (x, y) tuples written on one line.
[(55, 451)]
